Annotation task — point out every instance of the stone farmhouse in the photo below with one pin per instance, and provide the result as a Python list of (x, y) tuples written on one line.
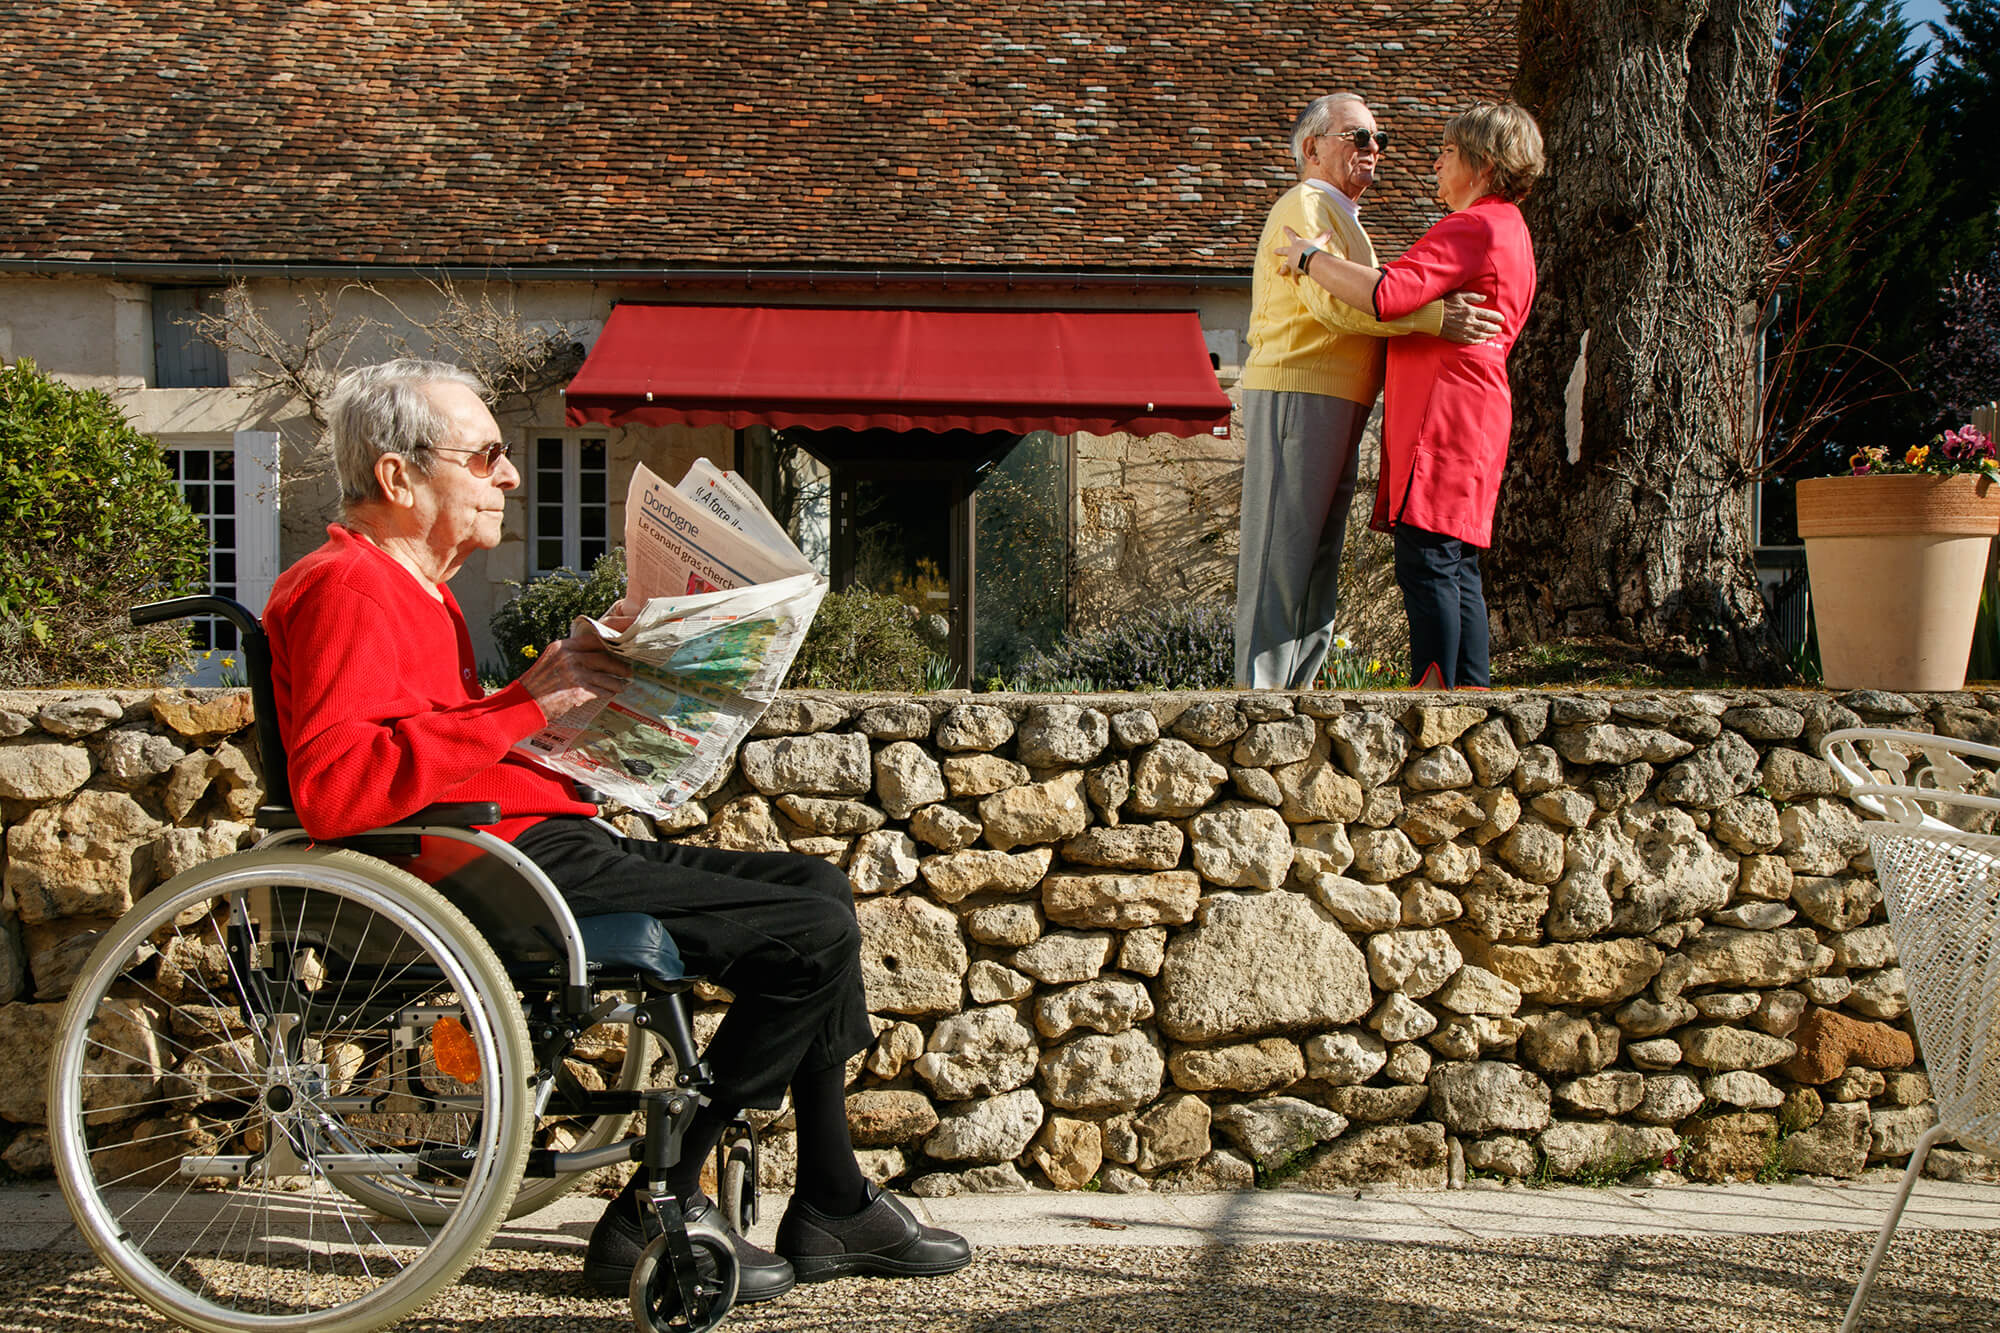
[(879, 257)]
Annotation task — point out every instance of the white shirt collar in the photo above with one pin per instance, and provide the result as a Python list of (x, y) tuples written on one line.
[(1353, 206)]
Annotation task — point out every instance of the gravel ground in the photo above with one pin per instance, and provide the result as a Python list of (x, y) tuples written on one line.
[(1932, 1280)]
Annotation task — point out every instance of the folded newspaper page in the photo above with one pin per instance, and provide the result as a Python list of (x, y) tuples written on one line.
[(726, 599)]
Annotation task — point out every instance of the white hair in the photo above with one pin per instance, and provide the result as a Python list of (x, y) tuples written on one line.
[(387, 409), (1315, 120)]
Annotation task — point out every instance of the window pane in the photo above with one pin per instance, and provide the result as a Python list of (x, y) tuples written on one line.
[(223, 532), (548, 554), (548, 455), (592, 552), (591, 523), (592, 487), (197, 465), (225, 464)]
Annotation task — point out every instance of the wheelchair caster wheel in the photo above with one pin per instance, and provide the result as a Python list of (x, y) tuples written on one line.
[(738, 1188), (658, 1305)]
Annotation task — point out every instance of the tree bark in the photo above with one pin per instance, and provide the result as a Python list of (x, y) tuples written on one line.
[(1648, 239)]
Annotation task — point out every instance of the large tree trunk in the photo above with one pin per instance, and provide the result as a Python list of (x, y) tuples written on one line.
[(1647, 238)]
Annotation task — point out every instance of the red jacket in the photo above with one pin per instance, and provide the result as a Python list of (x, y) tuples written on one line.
[(380, 705), (1446, 408)]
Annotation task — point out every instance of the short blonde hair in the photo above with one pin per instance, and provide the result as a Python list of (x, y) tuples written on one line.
[(1503, 136)]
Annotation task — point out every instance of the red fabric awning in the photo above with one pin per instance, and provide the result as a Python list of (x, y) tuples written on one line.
[(934, 370)]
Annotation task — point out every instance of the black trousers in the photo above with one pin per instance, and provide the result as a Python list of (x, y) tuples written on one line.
[(1445, 603), (776, 928)]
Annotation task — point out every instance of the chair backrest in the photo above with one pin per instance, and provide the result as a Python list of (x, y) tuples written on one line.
[(257, 663)]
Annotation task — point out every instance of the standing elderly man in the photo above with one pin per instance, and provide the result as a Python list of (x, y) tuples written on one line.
[(1315, 368), (382, 712)]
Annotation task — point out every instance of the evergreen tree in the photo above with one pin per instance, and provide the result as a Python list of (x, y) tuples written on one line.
[(1962, 364)]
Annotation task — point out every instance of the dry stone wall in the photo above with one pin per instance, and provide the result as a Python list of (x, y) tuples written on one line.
[(1188, 942)]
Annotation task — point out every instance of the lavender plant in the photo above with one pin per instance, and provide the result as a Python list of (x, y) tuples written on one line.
[(1173, 647)]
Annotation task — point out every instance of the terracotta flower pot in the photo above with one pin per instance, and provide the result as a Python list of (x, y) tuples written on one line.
[(1896, 564)]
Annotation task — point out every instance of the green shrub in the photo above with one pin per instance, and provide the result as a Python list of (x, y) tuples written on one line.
[(862, 641), (541, 610), (1171, 647), (94, 524)]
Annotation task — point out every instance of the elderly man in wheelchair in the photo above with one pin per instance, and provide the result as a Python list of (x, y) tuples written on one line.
[(373, 1012)]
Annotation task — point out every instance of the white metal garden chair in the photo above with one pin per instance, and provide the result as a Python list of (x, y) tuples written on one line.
[(1940, 877)]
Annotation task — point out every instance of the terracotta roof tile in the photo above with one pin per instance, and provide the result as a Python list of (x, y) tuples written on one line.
[(1114, 134)]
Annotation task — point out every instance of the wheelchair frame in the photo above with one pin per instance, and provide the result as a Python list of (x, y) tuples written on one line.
[(359, 1046)]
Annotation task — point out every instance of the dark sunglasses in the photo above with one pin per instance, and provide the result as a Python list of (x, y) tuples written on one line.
[(480, 462), (1360, 138)]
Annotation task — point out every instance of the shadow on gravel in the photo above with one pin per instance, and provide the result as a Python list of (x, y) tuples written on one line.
[(1760, 1284)]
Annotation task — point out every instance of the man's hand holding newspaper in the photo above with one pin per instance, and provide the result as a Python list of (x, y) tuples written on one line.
[(718, 600)]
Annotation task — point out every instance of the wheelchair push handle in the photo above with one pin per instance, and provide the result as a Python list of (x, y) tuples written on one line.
[(206, 604)]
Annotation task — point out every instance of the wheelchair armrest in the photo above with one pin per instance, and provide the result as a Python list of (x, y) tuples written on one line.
[(453, 814)]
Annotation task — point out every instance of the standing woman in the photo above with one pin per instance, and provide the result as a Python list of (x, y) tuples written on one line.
[(1447, 410)]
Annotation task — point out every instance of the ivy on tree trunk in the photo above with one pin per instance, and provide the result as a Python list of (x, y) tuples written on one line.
[(1631, 521)]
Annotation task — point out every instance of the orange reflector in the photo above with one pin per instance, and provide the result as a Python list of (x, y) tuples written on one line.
[(453, 1050)]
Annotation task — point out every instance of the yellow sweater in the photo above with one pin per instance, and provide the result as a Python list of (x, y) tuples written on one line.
[(1301, 339)]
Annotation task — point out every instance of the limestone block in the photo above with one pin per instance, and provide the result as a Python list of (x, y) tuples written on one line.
[(944, 827), (1271, 1131), (979, 1053), (1260, 964), (1859, 950), (1315, 791), (1241, 846), (968, 775), (1143, 952), (1534, 851), (1381, 855), (1612, 1093), (1713, 775), (1584, 973), (1128, 847), (1574, 1146), (906, 777), (1399, 1018), (1668, 1099), (1108, 786), (1786, 775), (130, 757), (997, 1129), (1778, 1012), (1500, 905), (1351, 1055), (1503, 1155), (1398, 1157), (1035, 813), (1906, 1087), (1607, 744), (953, 876), (901, 721), (1742, 1088), (883, 861), (1066, 956), (1727, 1006), (1269, 744), (1489, 747), (1752, 958), (1260, 1066), (913, 960), (823, 764), (1408, 1063), (1320, 848), (1726, 1048), (1366, 908), (1734, 1146), (1061, 736), (1173, 779), (1748, 824), (1005, 924), (1451, 863), (1835, 1146), (1539, 770), (973, 727), (1122, 902), (1104, 1004), (1563, 1043), (81, 859), (27, 1045), (1424, 904), (1120, 1072), (1881, 994), (1432, 817), (1133, 728), (830, 818), (1565, 807), (880, 1118), (1176, 1130), (1894, 1132), (989, 982), (1837, 902), (1210, 723), (1414, 962), (798, 714), (203, 717), (42, 770), (1370, 747), (1481, 1097), (1681, 873), (1068, 1152), (895, 1047), (745, 825), (1440, 769), (1820, 836)]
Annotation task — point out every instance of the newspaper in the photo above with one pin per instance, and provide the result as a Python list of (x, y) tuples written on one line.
[(725, 600)]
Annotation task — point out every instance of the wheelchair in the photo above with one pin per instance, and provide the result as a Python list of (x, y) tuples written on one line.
[(337, 1068)]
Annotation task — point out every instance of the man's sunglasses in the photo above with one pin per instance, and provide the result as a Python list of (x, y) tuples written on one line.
[(1360, 138), (481, 462)]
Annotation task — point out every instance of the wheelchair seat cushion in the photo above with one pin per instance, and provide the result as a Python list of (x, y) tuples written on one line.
[(622, 941)]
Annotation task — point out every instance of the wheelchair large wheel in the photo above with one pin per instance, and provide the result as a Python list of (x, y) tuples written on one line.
[(258, 1031)]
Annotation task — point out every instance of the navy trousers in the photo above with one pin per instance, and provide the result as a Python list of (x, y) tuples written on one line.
[(1446, 606), (776, 928)]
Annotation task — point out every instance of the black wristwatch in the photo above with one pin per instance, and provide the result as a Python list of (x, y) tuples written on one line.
[(1306, 258)]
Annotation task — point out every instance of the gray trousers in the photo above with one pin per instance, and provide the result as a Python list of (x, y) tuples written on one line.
[(1300, 457)]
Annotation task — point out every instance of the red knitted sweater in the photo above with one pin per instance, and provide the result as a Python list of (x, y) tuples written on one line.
[(380, 705)]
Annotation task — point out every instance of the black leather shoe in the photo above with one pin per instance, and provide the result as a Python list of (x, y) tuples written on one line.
[(882, 1238), (617, 1241)]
